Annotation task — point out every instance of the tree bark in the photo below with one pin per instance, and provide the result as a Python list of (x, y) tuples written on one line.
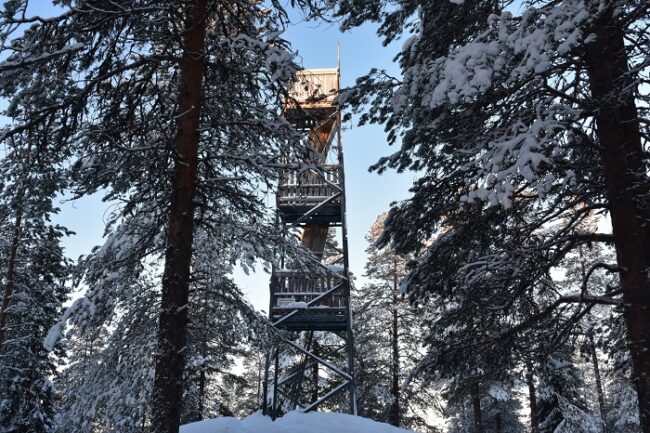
[(599, 382), (476, 404), (172, 328), (617, 127), (532, 400), (11, 270)]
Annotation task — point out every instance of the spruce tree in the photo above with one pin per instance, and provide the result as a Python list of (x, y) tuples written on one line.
[(34, 273), (560, 406)]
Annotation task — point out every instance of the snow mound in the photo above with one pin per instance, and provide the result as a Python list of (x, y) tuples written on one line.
[(293, 422)]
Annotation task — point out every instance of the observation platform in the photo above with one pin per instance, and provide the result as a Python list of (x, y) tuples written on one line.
[(304, 301), (310, 196)]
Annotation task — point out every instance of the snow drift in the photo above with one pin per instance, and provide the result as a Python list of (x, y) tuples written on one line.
[(293, 422)]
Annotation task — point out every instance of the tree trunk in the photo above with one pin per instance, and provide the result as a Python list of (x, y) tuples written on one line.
[(315, 375), (599, 382), (143, 421), (11, 269), (498, 424), (259, 379), (619, 137), (476, 404), (172, 328), (394, 416), (532, 400), (201, 408)]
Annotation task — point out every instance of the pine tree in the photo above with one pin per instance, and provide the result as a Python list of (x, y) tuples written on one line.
[(27, 369), (174, 110), (249, 397), (622, 413), (106, 383), (525, 123), (388, 340), (111, 370), (223, 327), (621, 399)]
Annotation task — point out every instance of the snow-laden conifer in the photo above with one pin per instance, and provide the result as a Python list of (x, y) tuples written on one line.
[(33, 276), (172, 109), (523, 121)]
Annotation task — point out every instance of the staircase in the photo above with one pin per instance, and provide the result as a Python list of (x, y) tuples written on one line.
[(312, 303)]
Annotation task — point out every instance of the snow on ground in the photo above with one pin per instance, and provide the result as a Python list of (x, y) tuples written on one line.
[(293, 422)]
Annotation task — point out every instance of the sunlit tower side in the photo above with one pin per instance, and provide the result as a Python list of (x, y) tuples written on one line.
[(311, 200)]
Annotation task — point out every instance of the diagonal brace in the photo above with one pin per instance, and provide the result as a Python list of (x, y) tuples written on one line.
[(332, 367), (316, 299)]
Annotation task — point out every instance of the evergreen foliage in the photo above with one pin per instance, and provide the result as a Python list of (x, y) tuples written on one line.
[(111, 369), (34, 273), (388, 341), (526, 123), (522, 122), (500, 413), (172, 110)]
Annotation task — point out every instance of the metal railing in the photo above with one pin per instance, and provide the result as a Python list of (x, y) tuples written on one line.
[(291, 290), (308, 187)]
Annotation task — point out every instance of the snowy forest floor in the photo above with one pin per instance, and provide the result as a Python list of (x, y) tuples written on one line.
[(293, 422)]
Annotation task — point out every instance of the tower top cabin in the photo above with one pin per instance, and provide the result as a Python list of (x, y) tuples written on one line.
[(315, 88)]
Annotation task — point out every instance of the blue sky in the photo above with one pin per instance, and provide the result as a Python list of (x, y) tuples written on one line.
[(367, 194)]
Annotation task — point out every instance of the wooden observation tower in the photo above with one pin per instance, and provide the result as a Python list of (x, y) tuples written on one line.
[(313, 304)]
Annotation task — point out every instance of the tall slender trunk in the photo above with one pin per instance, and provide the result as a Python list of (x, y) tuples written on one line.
[(172, 328), (259, 379), (476, 405), (201, 408), (594, 355), (394, 417), (532, 399), (203, 337), (599, 382), (11, 270), (315, 374), (617, 127), (143, 420), (498, 423)]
